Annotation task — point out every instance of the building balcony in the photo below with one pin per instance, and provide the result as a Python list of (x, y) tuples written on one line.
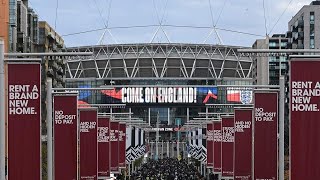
[(300, 35), (300, 46), (299, 23), (51, 35), (289, 45), (288, 34)]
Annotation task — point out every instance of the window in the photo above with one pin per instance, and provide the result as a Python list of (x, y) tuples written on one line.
[(312, 30), (283, 44), (272, 59), (312, 43), (272, 44), (311, 16)]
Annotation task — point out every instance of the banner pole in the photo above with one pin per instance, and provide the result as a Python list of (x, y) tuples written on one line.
[(49, 130), (2, 114), (281, 127)]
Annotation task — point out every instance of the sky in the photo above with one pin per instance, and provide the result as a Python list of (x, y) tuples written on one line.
[(193, 20)]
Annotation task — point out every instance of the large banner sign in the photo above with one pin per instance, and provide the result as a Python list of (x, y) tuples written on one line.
[(24, 121), (265, 153), (237, 95), (88, 144), (210, 145), (103, 147), (161, 95), (243, 143), (65, 113), (217, 140), (305, 119), (122, 145), (114, 142), (227, 154)]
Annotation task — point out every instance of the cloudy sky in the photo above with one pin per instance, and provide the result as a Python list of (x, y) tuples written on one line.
[(185, 21)]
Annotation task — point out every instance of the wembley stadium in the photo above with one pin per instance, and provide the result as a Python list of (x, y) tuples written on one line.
[(167, 83)]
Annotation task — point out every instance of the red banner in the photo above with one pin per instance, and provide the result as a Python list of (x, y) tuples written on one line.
[(210, 145), (265, 153), (227, 156), (122, 145), (305, 116), (114, 142), (217, 139), (243, 143), (24, 121), (103, 147), (65, 122), (88, 144)]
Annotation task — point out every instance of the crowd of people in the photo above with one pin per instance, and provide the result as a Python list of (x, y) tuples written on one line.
[(167, 169)]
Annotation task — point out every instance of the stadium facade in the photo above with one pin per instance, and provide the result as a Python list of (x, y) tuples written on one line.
[(172, 83)]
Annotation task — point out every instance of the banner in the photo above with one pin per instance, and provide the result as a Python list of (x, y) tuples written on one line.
[(129, 157), (137, 139), (65, 130), (304, 122), (143, 147), (210, 145), (133, 143), (236, 95), (114, 142), (88, 143), (217, 140), (265, 152), (227, 154), (161, 95), (24, 121), (204, 145), (243, 143), (122, 145), (103, 147), (198, 154)]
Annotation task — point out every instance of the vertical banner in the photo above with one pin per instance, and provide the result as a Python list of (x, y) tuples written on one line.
[(227, 153), (243, 143), (210, 145), (103, 147), (65, 128), (114, 142), (265, 151), (133, 143), (199, 144), (24, 121), (122, 145), (129, 157), (217, 139), (143, 148), (88, 143), (136, 146), (204, 145), (305, 116)]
